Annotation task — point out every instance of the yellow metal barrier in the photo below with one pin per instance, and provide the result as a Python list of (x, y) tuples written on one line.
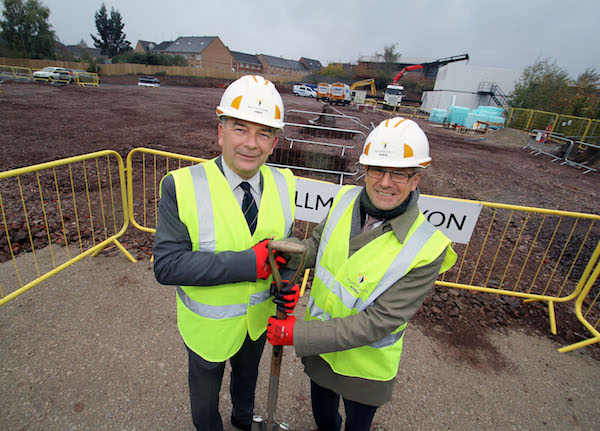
[(151, 166), (67, 209), (15, 72), (529, 253), (587, 309), (541, 120), (87, 79), (78, 77), (405, 111), (6, 71), (582, 129)]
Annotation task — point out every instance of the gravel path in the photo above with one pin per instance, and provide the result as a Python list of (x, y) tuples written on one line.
[(96, 348)]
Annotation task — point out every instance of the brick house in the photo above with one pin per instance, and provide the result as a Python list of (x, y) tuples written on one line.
[(312, 65), (205, 51), (246, 63), (281, 66)]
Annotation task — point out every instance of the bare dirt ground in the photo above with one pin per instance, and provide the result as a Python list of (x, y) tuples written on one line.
[(120, 366)]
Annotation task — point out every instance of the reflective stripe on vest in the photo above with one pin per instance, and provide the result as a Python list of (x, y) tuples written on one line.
[(206, 230), (207, 241), (336, 214), (284, 195), (388, 340), (395, 271), (222, 311)]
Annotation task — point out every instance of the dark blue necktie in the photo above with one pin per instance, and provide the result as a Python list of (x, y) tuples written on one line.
[(249, 207)]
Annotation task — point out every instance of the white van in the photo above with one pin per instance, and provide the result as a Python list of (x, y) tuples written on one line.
[(340, 94), (148, 81), (304, 91)]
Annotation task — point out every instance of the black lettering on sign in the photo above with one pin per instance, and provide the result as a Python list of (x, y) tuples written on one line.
[(453, 218), (306, 203), (324, 204), (297, 205), (438, 218)]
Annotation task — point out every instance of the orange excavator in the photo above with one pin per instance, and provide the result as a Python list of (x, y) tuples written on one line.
[(394, 92)]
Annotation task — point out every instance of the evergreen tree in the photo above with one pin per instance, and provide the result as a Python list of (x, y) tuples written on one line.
[(26, 30), (111, 40)]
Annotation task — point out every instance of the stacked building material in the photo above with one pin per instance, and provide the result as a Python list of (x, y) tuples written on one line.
[(457, 115), (438, 115)]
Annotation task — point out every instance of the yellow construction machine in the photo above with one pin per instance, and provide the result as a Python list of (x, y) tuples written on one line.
[(364, 83)]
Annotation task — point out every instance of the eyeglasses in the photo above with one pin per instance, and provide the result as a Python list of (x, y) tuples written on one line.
[(396, 176)]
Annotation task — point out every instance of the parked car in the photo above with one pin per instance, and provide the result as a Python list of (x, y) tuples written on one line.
[(148, 81), (53, 73), (304, 91), (75, 72)]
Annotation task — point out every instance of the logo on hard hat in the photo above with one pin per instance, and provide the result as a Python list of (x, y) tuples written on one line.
[(257, 108)]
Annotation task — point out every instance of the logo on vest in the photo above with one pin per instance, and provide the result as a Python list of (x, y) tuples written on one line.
[(355, 285)]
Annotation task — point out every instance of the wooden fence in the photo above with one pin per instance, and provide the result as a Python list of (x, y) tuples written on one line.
[(206, 71)]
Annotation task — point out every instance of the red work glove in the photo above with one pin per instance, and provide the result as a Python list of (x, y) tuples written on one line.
[(281, 332), (263, 269), (287, 298)]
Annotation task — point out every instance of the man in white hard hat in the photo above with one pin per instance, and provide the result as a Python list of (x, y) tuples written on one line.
[(215, 221), (376, 258)]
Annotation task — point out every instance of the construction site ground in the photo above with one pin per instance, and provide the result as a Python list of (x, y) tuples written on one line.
[(96, 346)]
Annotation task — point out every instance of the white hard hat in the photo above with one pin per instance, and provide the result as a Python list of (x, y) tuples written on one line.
[(253, 98), (396, 143)]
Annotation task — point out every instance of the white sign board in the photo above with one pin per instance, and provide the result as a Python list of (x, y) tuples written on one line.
[(314, 199), (455, 218)]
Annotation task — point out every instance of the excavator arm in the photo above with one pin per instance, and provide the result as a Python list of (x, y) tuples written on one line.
[(407, 69), (363, 83)]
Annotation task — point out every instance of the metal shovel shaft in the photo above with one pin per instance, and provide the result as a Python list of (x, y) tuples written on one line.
[(278, 350)]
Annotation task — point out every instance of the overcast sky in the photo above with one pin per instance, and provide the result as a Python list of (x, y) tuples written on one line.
[(500, 33)]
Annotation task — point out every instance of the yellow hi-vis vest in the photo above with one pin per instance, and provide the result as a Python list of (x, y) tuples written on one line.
[(214, 320), (345, 286)]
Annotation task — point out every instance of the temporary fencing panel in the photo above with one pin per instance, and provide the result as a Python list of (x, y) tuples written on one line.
[(145, 168), (78, 77), (592, 134), (318, 142), (569, 152), (582, 155), (549, 144), (572, 127), (15, 72), (519, 118), (405, 111), (86, 78), (64, 210), (587, 309), (540, 120), (530, 253)]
